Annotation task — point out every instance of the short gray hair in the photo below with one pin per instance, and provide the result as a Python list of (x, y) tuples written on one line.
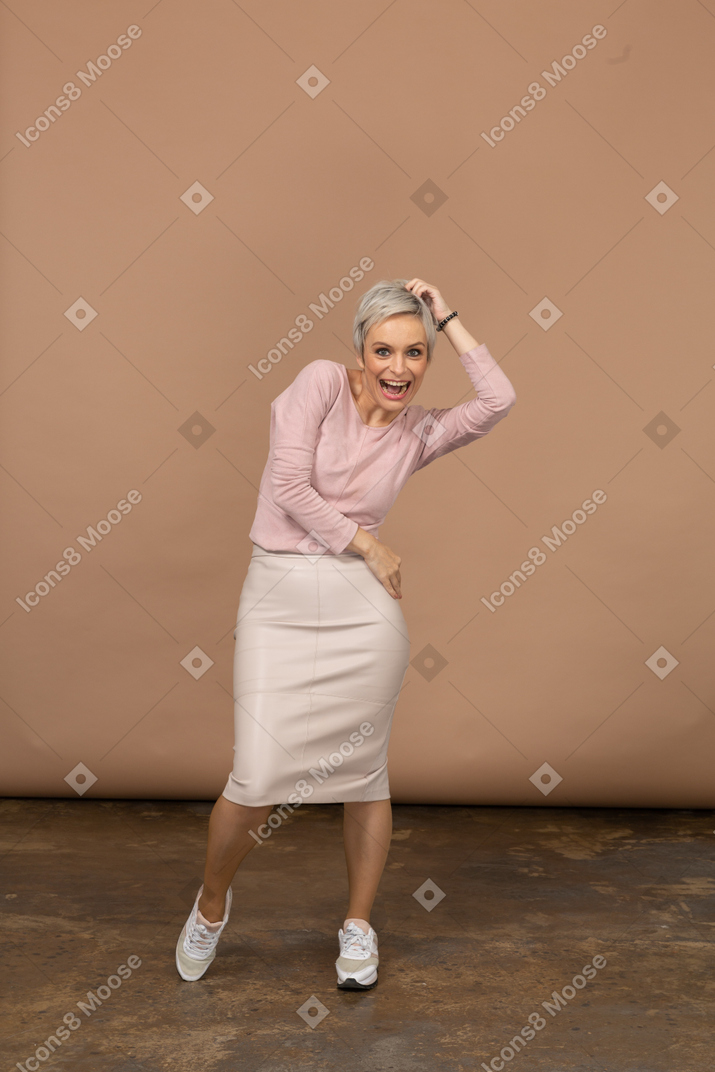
[(384, 299)]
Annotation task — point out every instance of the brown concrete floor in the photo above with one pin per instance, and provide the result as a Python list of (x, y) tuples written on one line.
[(532, 894)]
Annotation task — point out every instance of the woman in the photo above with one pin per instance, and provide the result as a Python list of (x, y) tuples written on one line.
[(322, 647)]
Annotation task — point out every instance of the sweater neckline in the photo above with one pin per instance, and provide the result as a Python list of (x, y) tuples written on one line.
[(353, 402)]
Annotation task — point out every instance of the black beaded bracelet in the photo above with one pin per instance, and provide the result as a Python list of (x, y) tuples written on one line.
[(443, 322)]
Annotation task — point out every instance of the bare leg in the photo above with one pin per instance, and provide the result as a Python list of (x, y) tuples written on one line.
[(367, 829), (229, 842)]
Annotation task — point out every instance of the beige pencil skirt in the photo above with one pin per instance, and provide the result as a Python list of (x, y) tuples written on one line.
[(320, 658)]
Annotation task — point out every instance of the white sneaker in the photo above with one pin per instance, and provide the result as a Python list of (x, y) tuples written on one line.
[(196, 947), (358, 960)]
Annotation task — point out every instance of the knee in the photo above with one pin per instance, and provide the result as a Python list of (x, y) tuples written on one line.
[(248, 808), (366, 805), (246, 814), (254, 813)]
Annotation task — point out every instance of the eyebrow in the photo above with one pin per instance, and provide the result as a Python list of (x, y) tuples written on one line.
[(410, 347)]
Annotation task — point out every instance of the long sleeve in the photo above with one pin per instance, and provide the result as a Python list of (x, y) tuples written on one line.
[(296, 416), (444, 430)]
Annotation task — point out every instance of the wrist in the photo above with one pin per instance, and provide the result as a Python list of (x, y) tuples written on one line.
[(458, 336), (362, 542)]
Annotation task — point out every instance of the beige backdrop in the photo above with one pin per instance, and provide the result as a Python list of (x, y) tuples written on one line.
[(181, 184)]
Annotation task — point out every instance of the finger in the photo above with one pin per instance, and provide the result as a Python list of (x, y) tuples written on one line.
[(388, 588)]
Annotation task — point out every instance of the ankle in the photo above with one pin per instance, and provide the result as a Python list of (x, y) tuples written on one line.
[(212, 910), (362, 923)]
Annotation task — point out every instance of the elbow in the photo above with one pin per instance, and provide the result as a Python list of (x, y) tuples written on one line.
[(288, 491), (282, 491), (501, 406), (507, 402), (282, 498)]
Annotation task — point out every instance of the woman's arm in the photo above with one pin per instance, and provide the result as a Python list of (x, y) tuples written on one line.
[(459, 425), (296, 415), (444, 430)]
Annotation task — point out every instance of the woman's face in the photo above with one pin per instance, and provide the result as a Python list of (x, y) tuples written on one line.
[(395, 350)]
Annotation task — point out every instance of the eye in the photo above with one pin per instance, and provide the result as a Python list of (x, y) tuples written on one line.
[(383, 350)]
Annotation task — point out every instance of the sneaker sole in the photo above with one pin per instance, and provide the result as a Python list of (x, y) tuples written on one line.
[(353, 984)]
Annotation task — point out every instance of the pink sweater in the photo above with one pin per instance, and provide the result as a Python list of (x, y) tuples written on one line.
[(329, 473)]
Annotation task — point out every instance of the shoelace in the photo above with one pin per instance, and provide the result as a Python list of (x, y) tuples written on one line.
[(356, 943), (199, 942)]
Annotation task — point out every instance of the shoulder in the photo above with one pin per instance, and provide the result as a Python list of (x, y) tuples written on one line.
[(320, 377), (321, 370)]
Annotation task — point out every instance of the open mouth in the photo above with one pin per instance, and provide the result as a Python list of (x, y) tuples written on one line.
[(394, 388)]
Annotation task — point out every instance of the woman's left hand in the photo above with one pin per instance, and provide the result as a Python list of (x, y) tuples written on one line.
[(432, 297)]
